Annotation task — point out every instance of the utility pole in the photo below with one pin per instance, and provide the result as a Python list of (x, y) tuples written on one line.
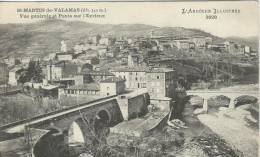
[(231, 69)]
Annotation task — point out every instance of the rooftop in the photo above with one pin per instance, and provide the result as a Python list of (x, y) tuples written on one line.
[(92, 86), (38, 85), (190, 42), (131, 69), (49, 87), (55, 62), (64, 53), (199, 37), (98, 73), (215, 43), (161, 98), (16, 69), (161, 70), (112, 80), (163, 41), (80, 43)]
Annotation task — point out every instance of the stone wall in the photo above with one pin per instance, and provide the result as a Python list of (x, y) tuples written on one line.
[(162, 123), (132, 107), (161, 104)]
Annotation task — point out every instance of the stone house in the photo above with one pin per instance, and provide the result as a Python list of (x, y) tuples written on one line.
[(112, 86), (199, 41)]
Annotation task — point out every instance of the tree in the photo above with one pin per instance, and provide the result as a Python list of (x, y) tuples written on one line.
[(29, 134), (38, 71), (23, 77), (33, 71)]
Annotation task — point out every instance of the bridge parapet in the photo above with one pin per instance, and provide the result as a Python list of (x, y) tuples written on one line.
[(207, 94), (228, 93)]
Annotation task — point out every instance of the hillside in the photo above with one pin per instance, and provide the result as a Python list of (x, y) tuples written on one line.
[(249, 41), (44, 36)]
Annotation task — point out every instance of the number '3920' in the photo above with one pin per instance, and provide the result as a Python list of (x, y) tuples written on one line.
[(211, 17)]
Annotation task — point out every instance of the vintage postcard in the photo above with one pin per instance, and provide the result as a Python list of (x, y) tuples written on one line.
[(129, 79)]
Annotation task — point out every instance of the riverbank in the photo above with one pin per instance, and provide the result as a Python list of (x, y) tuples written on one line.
[(202, 138), (197, 140), (239, 127)]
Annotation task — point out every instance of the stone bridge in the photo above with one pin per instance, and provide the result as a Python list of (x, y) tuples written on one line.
[(207, 94), (89, 117)]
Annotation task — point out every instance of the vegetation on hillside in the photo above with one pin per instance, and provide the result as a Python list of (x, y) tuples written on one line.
[(43, 37)]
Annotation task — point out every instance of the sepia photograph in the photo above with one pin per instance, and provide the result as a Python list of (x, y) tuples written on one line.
[(129, 79)]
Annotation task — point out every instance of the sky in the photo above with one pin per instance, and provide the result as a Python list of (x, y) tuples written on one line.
[(162, 14)]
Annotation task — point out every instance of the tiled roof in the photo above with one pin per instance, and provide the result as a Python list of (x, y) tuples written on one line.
[(98, 73), (216, 43), (131, 69), (198, 37), (112, 80), (92, 86), (64, 53), (54, 62), (67, 64), (190, 42), (161, 70)]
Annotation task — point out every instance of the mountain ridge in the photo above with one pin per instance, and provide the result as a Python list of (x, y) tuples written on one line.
[(44, 36)]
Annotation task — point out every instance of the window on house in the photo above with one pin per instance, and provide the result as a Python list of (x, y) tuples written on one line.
[(158, 77), (107, 93), (124, 77), (107, 88), (136, 78)]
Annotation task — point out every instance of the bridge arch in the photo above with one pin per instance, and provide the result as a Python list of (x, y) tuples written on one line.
[(207, 97), (221, 100), (101, 123), (52, 143), (245, 99), (187, 95), (215, 102), (54, 128), (194, 99), (219, 95), (78, 130), (103, 115)]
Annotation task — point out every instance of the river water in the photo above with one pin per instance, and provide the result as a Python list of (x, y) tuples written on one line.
[(211, 144), (197, 135)]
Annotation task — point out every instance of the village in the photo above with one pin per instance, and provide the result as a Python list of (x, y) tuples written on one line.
[(158, 68), (129, 63)]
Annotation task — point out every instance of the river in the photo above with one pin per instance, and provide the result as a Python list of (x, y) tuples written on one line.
[(208, 141), (196, 140)]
